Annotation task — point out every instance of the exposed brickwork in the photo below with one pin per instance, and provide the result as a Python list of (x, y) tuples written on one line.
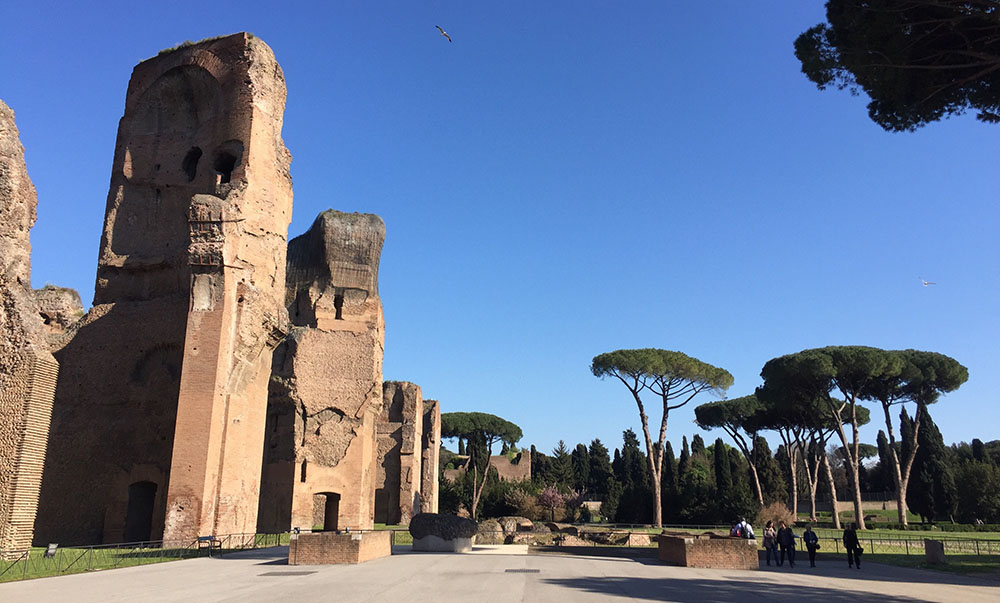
[(26, 408), (188, 307), (708, 551), (27, 372), (430, 453), (324, 548), (398, 476), (326, 383)]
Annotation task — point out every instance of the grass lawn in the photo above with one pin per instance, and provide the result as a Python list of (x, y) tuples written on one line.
[(970, 565), (74, 561), (70, 560)]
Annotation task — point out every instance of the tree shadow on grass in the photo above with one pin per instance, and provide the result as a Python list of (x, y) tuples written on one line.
[(704, 591)]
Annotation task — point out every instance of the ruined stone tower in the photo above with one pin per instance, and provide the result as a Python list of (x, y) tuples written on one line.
[(326, 386), (159, 415), (430, 454), (27, 370), (400, 427)]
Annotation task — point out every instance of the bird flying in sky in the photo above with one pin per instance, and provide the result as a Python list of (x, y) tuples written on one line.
[(443, 32), (926, 282)]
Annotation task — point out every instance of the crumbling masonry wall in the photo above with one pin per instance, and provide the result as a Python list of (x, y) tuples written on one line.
[(400, 426), (27, 370), (430, 454), (159, 414), (326, 383)]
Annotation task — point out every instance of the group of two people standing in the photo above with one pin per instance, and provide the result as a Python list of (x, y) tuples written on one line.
[(783, 540)]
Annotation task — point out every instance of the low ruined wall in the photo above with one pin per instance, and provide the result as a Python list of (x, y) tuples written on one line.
[(325, 548), (708, 552)]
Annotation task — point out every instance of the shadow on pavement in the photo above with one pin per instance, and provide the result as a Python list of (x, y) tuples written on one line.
[(653, 589)]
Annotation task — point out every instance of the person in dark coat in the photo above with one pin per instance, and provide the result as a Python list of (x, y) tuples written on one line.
[(786, 542), (853, 546), (811, 541)]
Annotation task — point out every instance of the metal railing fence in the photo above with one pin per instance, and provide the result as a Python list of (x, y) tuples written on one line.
[(36, 562)]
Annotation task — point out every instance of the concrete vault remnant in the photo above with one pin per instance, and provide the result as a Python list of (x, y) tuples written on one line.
[(158, 422), (400, 427), (59, 308), (326, 382), (430, 454), (27, 371)]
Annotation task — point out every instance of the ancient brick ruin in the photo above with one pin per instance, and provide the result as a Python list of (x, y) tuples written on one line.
[(27, 371), (409, 444), (326, 384), (430, 455), (60, 308), (158, 422), (707, 550)]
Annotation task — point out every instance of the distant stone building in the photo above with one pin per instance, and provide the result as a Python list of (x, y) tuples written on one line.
[(158, 422), (27, 370), (511, 470), (326, 383)]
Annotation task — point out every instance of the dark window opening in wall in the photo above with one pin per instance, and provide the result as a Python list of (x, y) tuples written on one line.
[(338, 305), (331, 511), (190, 163), (224, 164), (302, 472), (139, 513)]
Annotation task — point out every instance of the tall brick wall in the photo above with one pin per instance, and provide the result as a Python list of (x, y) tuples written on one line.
[(26, 409), (167, 373), (430, 453), (398, 476), (326, 383), (27, 371)]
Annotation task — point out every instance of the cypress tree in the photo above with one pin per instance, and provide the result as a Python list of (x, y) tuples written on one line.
[(697, 446), (723, 472), (600, 469), (580, 460), (562, 466), (932, 492)]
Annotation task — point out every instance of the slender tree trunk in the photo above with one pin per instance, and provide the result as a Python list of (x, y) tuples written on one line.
[(751, 456), (812, 474), (897, 475), (654, 462), (833, 489), (904, 480), (756, 484), (790, 454), (851, 452)]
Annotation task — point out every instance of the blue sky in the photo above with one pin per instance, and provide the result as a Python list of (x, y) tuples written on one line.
[(566, 179)]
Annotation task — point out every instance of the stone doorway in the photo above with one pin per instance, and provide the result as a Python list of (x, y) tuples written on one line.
[(381, 506), (326, 511), (139, 513)]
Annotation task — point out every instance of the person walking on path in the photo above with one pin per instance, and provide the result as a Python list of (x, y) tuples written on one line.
[(812, 543), (853, 546), (786, 540), (770, 542)]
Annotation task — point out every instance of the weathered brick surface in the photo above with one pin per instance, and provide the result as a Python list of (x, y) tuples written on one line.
[(27, 371), (430, 453), (708, 551), (398, 477), (326, 383), (324, 548), (167, 374)]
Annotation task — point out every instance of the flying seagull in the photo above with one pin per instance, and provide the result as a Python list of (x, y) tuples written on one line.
[(926, 282), (443, 32)]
